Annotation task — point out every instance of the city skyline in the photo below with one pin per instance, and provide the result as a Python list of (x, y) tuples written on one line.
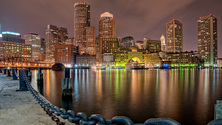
[(136, 19)]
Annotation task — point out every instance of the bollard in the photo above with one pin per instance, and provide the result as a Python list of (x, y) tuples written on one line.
[(14, 74), (40, 81), (67, 84), (9, 73), (22, 80), (0, 70), (4, 70), (29, 75)]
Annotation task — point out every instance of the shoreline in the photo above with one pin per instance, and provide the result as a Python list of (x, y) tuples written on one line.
[(20, 108)]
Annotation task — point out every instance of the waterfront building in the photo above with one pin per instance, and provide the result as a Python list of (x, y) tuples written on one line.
[(152, 60), (207, 39), (163, 43), (152, 46), (35, 41), (184, 59), (107, 25), (174, 35), (12, 53), (86, 60), (109, 45), (108, 59), (12, 37), (121, 57), (90, 41), (54, 35), (81, 21), (126, 42), (66, 54)]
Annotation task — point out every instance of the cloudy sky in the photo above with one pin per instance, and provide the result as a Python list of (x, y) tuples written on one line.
[(137, 18)]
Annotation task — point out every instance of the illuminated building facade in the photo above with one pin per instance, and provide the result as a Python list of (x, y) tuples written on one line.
[(13, 53), (86, 60), (35, 41), (207, 39), (152, 46), (81, 21), (54, 35), (69, 41), (108, 59), (174, 34), (66, 54), (12, 37), (109, 45), (163, 43), (152, 60), (126, 42), (184, 59), (107, 25), (90, 41)]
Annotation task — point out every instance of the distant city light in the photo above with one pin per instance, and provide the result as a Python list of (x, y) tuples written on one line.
[(11, 33)]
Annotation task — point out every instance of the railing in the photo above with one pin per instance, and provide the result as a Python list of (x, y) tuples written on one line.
[(83, 119)]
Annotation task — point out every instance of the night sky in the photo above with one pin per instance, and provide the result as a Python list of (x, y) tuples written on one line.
[(137, 18)]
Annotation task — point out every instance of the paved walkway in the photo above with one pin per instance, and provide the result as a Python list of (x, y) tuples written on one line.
[(20, 108)]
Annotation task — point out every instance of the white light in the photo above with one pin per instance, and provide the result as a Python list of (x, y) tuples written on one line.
[(0, 35)]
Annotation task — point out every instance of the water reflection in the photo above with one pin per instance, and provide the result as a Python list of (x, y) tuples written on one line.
[(139, 94)]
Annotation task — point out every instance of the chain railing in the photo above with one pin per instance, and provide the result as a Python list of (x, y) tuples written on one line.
[(95, 119)]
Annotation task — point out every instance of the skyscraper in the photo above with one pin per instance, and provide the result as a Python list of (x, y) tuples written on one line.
[(90, 40), (54, 35), (163, 43), (107, 25), (207, 39), (35, 41), (81, 21), (174, 34)]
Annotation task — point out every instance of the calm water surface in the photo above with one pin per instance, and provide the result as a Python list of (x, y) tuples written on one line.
[(185, 95)]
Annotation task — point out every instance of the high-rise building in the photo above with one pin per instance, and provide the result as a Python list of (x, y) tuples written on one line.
[(54, 35), (107, 26), (12, 37), (174, 34), (81, 21), (207, 39), (90, 40), (35, 41), (126, 42), (163, 43)]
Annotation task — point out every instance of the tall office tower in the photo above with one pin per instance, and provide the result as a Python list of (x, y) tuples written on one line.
[(35, 41), (12, 37), (174, 34), (126, 42), (163, 43), (107, 26), (90, 40), (207, 39), (54, 35), (81, 21)]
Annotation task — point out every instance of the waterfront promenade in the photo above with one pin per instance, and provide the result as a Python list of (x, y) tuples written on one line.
[(20, 108)]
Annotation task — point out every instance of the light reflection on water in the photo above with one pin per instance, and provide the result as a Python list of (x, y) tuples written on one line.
[(186, 95)]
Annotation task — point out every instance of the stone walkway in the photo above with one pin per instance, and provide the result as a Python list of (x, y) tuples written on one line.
[(20, 108)]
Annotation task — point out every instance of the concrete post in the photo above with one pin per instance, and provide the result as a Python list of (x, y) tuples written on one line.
[(5, 71), (9, 73), (22, 80), (67, 84), (40, 81), (14, 74)]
